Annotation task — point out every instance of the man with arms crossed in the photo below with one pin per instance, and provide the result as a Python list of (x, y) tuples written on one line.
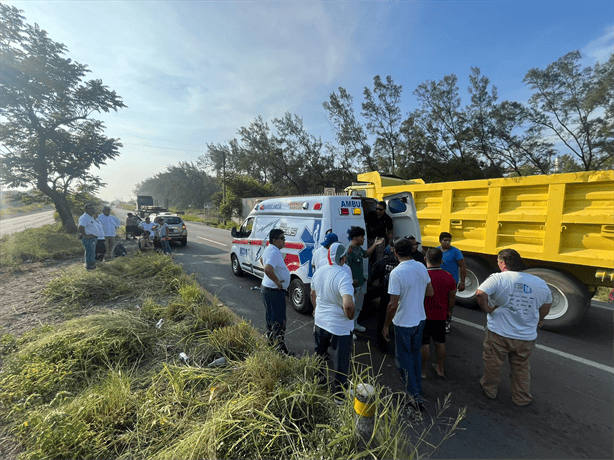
[(516, 304), (332, 297), (408, 285), (274, 284)]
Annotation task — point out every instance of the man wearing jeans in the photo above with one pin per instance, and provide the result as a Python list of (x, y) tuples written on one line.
[(408, 285), (88, 228), (332, 296), (516, 304), (274, 284)]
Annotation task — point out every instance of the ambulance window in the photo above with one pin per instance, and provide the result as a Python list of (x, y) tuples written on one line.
[(247, 226), (397, 206)]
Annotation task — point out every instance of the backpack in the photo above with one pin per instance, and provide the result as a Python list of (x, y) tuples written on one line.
[(119, 250)]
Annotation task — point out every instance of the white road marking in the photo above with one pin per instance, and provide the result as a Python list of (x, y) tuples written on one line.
[(211, 241), (588, 362)]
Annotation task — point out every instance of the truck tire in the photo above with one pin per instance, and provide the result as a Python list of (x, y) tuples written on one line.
[(477, 272), (299, 296), (570, 298), (236, 266), (184, 241)]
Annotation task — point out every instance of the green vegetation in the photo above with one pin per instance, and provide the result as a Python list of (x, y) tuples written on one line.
[(603, 293), (210, 222), (35, 244), (112, 384)]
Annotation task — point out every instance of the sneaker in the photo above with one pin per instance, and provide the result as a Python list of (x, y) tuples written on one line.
[(359, 328)]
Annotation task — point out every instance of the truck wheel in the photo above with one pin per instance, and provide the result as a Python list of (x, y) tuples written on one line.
[(184, 241), (477, 272), (299, 296), (236, 266), (570, 298)]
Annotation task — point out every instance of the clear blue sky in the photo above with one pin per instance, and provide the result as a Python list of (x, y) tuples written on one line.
[(194, 72)]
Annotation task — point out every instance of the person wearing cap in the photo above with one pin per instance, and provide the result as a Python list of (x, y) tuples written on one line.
[(416, 254), (274, 284), (163, 232), (408, 286), (332, 297), (320, 255), (109, 224)]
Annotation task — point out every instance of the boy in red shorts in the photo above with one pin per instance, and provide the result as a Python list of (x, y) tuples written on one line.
[(437, 309)]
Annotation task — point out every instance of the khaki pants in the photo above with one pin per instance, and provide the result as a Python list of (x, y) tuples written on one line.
[(110, 240), (496, 349)]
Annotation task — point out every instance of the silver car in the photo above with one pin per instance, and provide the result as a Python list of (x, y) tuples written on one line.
[(176, 226)]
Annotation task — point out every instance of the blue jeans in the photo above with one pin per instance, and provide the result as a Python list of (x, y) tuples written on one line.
[(275, 312), (408, 341), (166, 247), (341, 347), (90, 252)]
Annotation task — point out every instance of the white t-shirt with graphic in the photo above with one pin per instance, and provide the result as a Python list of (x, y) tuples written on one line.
[(518, 296)]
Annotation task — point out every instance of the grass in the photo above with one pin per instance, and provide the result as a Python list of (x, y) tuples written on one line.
[(603, 293), (111, 384), (36, 244)]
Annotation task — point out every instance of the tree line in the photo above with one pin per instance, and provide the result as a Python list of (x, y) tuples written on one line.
[(50, 139)]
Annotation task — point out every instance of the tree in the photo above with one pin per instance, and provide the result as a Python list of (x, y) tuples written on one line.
[(350, 134), (383, 114), (575, 105), (48, 138)]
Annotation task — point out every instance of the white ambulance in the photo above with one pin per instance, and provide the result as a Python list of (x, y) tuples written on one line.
[(305, 221)]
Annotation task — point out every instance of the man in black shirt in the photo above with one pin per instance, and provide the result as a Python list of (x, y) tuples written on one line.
[(379, 225), (416, 254)]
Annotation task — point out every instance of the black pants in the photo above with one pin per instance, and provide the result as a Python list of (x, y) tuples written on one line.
[(341, 346), (384, 300), (275, 313)]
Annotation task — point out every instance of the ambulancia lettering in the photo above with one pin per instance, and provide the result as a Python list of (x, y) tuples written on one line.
[(350, 204), (271, 206)]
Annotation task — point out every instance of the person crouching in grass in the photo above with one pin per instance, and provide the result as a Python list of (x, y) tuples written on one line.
[(145, 242)]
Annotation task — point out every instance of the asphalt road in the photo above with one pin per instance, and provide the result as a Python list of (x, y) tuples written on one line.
[(572, 373), (10, 225)]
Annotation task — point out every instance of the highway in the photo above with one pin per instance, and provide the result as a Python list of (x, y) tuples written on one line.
[(10, 225), (572, 373)]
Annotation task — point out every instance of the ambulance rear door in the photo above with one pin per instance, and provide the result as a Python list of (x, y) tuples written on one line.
[(402, 209)]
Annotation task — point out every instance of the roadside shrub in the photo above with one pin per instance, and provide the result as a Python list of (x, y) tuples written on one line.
[(36, 244)]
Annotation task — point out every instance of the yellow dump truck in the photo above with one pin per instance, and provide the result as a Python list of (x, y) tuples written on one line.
[(561, 224)]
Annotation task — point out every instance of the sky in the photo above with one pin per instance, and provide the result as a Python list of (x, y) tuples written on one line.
[(195, 72)]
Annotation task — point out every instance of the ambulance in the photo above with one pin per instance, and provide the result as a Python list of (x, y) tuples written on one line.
[(305, 221)]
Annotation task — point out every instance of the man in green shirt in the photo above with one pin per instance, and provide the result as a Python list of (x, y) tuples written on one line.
[(355, 255)]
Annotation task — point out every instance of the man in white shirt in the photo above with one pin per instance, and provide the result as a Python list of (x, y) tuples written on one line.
[(332, 297), (408, 285), (109, 224), (320, 255), (274, 284), (516, 304), (88, 228), (147, 224)]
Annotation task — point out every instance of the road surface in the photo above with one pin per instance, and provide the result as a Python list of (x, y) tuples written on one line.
[(10, 225)]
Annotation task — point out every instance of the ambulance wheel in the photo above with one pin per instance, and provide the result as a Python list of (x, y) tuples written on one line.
[(299, 296), (236, 266)]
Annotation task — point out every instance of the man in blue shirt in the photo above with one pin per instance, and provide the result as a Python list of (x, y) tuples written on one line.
[(452, 260)]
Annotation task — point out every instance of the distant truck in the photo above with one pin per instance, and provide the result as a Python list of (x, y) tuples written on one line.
[(145, 206), (561, 224)]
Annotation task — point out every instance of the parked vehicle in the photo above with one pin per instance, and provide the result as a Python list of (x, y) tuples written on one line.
[(561, 224), (176, 226), (305, 221), (145, 206)]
